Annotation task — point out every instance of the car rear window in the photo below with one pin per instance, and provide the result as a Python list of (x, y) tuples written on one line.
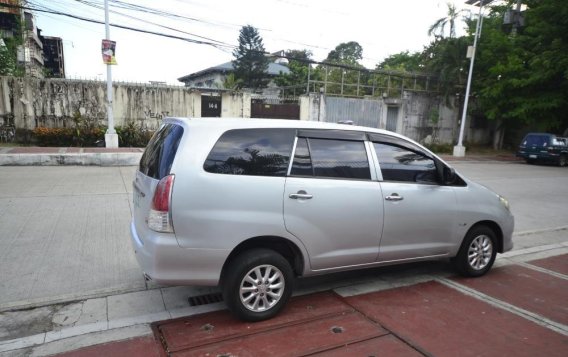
[(159, 155), (536, 140), (255, 152)]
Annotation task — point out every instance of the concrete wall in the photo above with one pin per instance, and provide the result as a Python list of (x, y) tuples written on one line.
[(414, 116), (235, 105), (54, 102)]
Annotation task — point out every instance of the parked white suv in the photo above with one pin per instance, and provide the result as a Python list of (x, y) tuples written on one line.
[(251, 204)]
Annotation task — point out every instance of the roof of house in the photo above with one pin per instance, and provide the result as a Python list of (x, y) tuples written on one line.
[(274, 69)]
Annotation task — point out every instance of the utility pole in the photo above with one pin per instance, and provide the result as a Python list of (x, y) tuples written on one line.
[(111, 138), (459, 149)]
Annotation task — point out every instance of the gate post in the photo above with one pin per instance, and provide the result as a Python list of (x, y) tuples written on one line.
[(195, 100)]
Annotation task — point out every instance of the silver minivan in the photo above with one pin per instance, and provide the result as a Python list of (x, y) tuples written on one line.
[(251, 204)]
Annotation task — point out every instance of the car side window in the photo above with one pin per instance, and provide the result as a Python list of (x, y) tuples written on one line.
[(401, 164), (331, 158), (255, 152)]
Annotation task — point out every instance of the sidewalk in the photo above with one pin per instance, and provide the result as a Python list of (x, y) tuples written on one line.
[(518, 309)]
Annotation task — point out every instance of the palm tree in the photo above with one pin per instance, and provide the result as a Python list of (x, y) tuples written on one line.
[(438, 28)]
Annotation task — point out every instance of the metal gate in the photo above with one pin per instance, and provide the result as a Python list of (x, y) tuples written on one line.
[(364, 112), (210, 106), (281, 109), (392, 118)]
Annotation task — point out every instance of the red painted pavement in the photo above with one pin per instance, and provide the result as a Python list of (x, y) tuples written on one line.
[(558, 264), (139, 347), (528, 289), (217, 326), (444, 322), (299, 340), (387, 345), (34, 150)]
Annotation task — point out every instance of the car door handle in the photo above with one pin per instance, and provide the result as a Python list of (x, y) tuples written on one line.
[(300, 195), (394, 197)]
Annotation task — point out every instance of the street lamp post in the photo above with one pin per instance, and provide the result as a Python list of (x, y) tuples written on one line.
[(459, 149), (111, 138)]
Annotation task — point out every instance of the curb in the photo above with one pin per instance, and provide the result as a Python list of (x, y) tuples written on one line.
[(81, 159)]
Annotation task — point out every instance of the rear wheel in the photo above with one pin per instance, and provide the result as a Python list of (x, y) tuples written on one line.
[(477, 252), (562, 161), (257, 285)]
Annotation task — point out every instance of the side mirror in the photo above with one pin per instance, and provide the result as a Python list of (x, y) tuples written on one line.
[(449, 175)]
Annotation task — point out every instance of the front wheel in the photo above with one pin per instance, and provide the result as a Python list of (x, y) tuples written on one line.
[(257, 285), (477, 252)]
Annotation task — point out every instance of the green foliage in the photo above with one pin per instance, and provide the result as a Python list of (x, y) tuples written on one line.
[(439, 27), (347, 54), (9, 52), (8, 58), (68, 136), (298, 75), (446, 59), (230, 82), (250, 62), (403, 62), (440, 148), (524, 78), (434, 116), (132, 135)]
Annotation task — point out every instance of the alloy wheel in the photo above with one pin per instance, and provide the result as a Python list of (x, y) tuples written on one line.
[(262, 288), (480, 252)]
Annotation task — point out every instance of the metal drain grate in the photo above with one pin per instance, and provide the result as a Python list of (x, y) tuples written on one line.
[(205, 299)]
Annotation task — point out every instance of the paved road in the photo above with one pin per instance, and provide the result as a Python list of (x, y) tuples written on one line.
[(64, 234), (64, 230)]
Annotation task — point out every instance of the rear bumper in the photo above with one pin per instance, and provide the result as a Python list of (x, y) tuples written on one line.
[(163, 261), (539, 156)]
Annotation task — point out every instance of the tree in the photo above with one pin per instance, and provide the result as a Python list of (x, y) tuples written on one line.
[(523, 79), (446, 59), (250, 62), (348, 72), (403, 61), (438, 28), (298, 64)]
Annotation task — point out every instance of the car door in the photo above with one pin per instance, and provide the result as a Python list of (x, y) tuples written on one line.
[(419, 212), (330, 202)]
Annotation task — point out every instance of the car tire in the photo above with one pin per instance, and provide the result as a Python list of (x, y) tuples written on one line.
[(562, 161), (257, 284), (477, 252)]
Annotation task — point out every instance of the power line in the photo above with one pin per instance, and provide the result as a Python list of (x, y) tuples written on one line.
[(221, 47), (216, 45), (151, 23)]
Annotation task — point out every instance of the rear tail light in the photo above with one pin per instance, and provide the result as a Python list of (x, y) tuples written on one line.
[(159, 218)]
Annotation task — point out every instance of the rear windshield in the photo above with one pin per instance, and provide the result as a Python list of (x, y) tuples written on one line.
[(157, 160), (536, 140)]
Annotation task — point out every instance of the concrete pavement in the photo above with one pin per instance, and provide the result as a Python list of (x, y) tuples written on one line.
[(64, 247)]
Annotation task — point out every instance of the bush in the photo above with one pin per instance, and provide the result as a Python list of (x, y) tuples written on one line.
[(68, 136), (440, 148), (132, 135)]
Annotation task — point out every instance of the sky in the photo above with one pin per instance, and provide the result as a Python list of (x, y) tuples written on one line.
[(381, 27)]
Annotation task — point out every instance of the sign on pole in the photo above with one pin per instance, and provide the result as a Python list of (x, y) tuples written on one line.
[(108, 49)]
